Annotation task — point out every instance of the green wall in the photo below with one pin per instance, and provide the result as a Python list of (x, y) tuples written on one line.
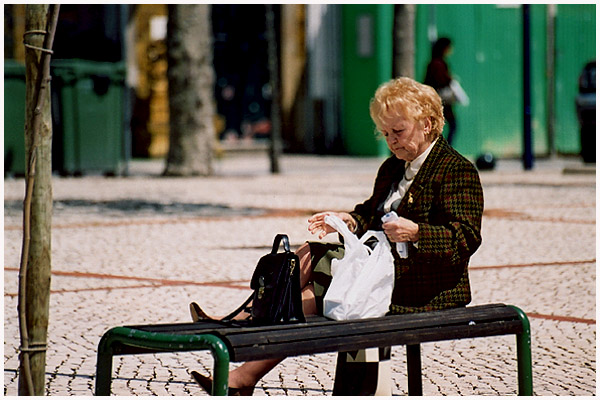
[(575, 46), (366, 63), (488, 62)]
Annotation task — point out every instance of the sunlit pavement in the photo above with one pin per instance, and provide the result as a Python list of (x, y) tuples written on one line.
[(138, 249)]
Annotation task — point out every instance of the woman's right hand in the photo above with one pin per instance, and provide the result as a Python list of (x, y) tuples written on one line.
[(317, 225)]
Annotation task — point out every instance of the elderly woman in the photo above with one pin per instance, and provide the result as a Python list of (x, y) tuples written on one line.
[(438, 197)]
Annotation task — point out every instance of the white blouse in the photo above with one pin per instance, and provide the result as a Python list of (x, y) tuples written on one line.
[(411, 169)]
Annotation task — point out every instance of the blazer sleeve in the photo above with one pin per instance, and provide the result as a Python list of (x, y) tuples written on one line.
[(452, 233), (366, 214)]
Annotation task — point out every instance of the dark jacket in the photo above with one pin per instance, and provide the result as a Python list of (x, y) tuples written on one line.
[(438, 74), (446, 201)]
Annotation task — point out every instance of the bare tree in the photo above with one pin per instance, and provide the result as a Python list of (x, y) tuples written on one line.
[(35, 269), (191, 104), (404, 40)]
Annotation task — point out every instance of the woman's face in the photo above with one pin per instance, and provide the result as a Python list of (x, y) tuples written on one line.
[(406, 138)]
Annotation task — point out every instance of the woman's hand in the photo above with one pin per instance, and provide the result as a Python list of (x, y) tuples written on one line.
[(402, 230), (316, 223)]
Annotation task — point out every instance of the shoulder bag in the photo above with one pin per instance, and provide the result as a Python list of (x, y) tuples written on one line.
[(276, 296)]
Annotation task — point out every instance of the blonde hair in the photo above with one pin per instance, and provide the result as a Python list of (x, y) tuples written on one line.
[(410, 99)]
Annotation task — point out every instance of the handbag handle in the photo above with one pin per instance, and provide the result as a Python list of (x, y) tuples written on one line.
[(278, 239)]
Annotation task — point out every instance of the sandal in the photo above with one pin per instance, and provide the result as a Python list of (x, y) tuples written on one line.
[(197, 313), (206, 384)]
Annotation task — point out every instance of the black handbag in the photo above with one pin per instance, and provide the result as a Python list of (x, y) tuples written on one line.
[(276, 284)]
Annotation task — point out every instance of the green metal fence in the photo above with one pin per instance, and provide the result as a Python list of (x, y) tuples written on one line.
[(87, 104), (14, 117), (88, 116)]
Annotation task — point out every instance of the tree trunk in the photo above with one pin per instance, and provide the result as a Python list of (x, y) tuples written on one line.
[(34, 276), (191, 105), (404, 40), (273, 59)]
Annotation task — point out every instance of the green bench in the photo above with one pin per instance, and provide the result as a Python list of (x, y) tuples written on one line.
[(243, 342)]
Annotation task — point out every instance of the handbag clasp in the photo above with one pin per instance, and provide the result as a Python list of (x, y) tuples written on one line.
[(261, 289)]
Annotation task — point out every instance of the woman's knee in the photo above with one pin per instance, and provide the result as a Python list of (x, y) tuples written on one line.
[(309, 301)]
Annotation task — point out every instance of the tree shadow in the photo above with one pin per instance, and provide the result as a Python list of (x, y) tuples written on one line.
[(140, 207)]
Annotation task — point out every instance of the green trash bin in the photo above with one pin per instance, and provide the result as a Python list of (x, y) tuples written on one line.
[(14, 118), (366, 63), (87, 108)]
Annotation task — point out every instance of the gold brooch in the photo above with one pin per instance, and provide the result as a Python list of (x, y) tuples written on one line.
[(410, 198)]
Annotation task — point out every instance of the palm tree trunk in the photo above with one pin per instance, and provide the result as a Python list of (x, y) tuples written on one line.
[(404, 40), (191, 105)]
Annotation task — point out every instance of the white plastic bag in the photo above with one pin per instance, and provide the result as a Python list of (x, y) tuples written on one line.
[(459, 93), (363, 280), (454, 93)]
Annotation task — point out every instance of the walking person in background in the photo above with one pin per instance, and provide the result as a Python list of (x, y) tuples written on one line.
[(438, 77)]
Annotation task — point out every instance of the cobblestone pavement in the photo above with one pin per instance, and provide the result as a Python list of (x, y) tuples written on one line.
[(137, 250)]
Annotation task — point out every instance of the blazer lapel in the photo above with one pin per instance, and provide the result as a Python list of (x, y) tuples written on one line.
[(424, 175)]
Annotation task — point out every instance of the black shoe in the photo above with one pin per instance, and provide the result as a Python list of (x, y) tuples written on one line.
[(197, 313), (206, 384)]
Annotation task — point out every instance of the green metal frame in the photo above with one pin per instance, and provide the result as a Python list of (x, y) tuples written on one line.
[(164, 342), (524, 366)]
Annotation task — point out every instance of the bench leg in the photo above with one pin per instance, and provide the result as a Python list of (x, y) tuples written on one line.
[(161, 342), (104, 365), (413, 367), (103, 373), (524, 356), (221, 369)]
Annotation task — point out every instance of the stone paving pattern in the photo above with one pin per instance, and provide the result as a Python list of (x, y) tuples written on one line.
[(137, 250)]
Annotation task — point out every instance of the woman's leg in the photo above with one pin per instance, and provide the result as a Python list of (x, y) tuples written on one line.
[(451, 120), (249, 373), (304, 255)]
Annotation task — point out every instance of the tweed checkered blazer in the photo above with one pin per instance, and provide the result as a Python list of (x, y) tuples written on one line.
[(446, 201)]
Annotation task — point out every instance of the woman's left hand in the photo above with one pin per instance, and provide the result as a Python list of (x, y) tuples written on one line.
[(318, 226), (402, 230)]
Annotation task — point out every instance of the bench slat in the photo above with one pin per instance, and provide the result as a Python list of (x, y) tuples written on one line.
[(289, 333), (320, 334), (261, 350), (476, 313)]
